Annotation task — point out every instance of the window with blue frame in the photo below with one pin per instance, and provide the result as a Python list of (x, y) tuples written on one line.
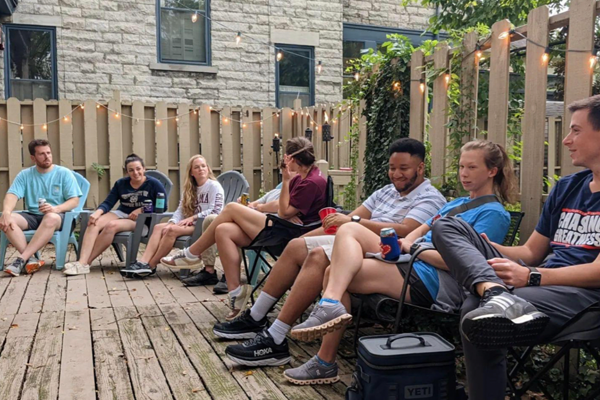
[(183, 31), (358, 39), (30, 62), (294, 76)]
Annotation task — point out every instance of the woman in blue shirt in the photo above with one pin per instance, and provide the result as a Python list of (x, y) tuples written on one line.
[(131, 192), (485, 170)]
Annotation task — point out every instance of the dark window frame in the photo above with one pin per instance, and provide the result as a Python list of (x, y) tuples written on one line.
[(207, 37), (311, 69), (7, 57)]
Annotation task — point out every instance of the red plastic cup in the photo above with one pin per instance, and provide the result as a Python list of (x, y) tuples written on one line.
[(325, 212)]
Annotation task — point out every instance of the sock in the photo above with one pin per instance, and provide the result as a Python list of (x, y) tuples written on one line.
[(262, 306), (496, 290), (323, 362), (325, 302), (278, 331), (236, 292), (189, 255)]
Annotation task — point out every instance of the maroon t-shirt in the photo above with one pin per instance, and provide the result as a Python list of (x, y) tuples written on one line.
[(308, 195)]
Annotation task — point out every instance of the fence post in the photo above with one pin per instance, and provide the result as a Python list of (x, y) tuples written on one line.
[(183, 110), (499, 78), (39, 118), (248, 151), (227, 138), (298, 120), (138, 128), (417, 96), (65, 132), (115, 139), (267, 141), (469, 79), (439, 116), (534, 121), (162, 142), (578, 74), (91, 150), (362, 149), (551, 150)]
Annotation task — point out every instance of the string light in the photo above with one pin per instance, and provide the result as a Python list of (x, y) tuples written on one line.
[(117, 115), (66, 119), (225, 120), (396, 87), (82, 106), (422, 86), (176, 119), (157, 122), (593, 60), (279, 55), (319, 67), (22, 127), (356, 76), (45, 126), (546, 55), (97, 105), (238, 38), (195, 17), (195, 111), (244, 125), (447, 78), (503, 35)]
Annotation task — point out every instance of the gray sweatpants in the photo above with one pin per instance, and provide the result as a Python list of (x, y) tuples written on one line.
[(466, 254)]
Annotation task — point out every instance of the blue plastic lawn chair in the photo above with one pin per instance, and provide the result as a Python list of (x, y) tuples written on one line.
[(62, 238)]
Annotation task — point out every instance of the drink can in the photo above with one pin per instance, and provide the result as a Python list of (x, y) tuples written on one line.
[(390, 249), (245, 199), (160, 203), (148, 206), (41, 202)]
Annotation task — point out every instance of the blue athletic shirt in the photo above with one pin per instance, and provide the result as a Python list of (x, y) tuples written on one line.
[(571, 220), (489, 218), (131, 199)]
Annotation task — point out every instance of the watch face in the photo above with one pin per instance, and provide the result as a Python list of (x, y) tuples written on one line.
[(535, 278)]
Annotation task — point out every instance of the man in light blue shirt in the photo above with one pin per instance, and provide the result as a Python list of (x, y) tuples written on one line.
[(48, 191)]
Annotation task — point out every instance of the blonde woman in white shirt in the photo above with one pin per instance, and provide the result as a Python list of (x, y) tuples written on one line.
[(202, 197)]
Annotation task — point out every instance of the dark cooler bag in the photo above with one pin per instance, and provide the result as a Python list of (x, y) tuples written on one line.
[(404, 366)]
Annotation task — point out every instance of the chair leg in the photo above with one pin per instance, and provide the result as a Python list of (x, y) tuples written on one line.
[(119, 252), (357, 322), (61, 248), (3, 246)]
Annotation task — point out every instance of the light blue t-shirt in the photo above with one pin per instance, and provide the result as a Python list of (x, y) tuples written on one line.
[(56, 186), (490, 218)]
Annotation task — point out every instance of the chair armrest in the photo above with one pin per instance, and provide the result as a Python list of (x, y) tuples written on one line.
[(156, 219), (197, 230)]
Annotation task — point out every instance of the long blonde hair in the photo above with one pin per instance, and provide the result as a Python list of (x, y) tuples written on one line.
[(505, 181), (190, 187)]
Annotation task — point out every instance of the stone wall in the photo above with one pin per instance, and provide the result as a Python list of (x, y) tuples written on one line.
[(108, 45)]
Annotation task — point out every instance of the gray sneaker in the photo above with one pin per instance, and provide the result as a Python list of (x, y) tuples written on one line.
[(321, 321), (16, 267), (312, 373)]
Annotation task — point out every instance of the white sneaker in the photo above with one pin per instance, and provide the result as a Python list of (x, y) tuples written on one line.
[(180, 261), (76, 268), (239, 304)]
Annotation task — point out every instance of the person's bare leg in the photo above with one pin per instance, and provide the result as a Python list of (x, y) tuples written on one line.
[(229, 237), (15, 236), (107, 235), (49, 224), (167, 241), (306, 287), (153, 243), (285, 271), (250, 221), (91, 234), (352, 241)]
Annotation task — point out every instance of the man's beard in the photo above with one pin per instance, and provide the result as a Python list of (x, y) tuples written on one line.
[(408, 184)]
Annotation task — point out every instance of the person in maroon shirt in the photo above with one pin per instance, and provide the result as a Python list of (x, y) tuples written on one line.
[(300, 201)]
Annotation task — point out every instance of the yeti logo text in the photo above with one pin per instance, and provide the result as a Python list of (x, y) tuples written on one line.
[(262, 352), (418, 392)]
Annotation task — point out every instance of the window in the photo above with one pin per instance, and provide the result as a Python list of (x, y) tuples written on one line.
[(294, 76), (30, 62), (183, 31)]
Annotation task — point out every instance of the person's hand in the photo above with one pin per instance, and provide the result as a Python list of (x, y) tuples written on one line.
[(256, 206), (487, 239), (510, 272), (188, 221), (94, 217), (286, 176), (295, 220), (134, 214), (47, 209), (6, 222), (337, 219), (405, 245), (239, 199)]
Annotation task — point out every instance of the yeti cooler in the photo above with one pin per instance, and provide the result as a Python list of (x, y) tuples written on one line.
[(403, 367)]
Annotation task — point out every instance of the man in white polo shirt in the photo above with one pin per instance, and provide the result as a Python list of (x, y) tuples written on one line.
[(404, 205)]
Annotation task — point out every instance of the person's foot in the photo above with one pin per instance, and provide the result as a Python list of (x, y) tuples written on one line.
[(16, 267), (138, 269), (322, 320), (180, 261), (76, 268), (312, 372), (502, 320), (33, 265), (260, 351), (241, 327), (239, 303), (221, 286), (202, 278)]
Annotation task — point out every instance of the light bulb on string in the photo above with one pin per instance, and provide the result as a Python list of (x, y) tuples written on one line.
[(97, 105), (244, 125), (396, 86), (195, 17), (546, 55), (177, 119), (422, 86), (157, 122), (279, 55), (319, 67), (593, 60), (22, 127), (82, 106), (356, 76), (238, 38), (225, 120), (45, 126), (447, 78), (66, 119), (117, 115), (503, 35)]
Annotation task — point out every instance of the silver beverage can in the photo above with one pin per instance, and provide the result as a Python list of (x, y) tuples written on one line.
[(41, 202)]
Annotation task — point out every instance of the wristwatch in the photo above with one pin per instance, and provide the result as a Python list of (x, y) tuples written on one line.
[(413, 248), (535, 277), (356, 218)]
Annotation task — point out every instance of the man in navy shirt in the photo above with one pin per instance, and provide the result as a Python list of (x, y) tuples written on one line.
[(518, 297)]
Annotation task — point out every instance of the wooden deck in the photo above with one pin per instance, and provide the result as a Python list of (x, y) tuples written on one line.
[(99, 336)]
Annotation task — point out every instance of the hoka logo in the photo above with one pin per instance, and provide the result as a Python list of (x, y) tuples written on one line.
[(262, 352)]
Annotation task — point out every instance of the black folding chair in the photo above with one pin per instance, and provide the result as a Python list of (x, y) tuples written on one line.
[(276, 234)]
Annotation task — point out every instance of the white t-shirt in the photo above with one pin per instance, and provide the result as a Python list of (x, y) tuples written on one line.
[(209, 201)]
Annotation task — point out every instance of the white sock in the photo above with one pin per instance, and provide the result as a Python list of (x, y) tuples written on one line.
[(189, 255), (262, 306), (236, 292), (278, 331)]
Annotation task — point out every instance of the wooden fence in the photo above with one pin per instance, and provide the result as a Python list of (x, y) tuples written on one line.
[(99, 133), (578, 85)]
